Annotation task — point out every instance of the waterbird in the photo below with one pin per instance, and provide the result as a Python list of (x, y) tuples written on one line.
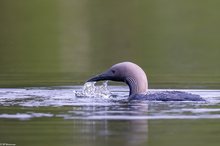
[(135, 77)]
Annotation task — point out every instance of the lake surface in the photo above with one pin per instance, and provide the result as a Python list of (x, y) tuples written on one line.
[(59, 116)]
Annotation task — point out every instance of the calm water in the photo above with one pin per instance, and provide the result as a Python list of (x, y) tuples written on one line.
[(58, 116)]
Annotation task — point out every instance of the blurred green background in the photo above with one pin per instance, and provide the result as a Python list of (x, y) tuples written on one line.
[(64, 42)]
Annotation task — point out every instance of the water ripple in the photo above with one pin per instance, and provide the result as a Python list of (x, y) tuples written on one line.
[(62, 102)]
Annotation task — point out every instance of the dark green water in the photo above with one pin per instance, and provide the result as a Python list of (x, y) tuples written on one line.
[(60, 132), (64, 42)]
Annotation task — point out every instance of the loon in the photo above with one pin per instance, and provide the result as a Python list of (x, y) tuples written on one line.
[(134, 76)]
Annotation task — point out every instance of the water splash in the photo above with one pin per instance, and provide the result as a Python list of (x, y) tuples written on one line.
[(91, 90)]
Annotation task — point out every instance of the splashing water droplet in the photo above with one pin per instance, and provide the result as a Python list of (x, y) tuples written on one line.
[(90, 90)]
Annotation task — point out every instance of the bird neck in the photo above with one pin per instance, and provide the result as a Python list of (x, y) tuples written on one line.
[(136, 86)]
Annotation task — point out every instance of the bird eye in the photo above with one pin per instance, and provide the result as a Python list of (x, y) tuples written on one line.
[(113, 71)]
